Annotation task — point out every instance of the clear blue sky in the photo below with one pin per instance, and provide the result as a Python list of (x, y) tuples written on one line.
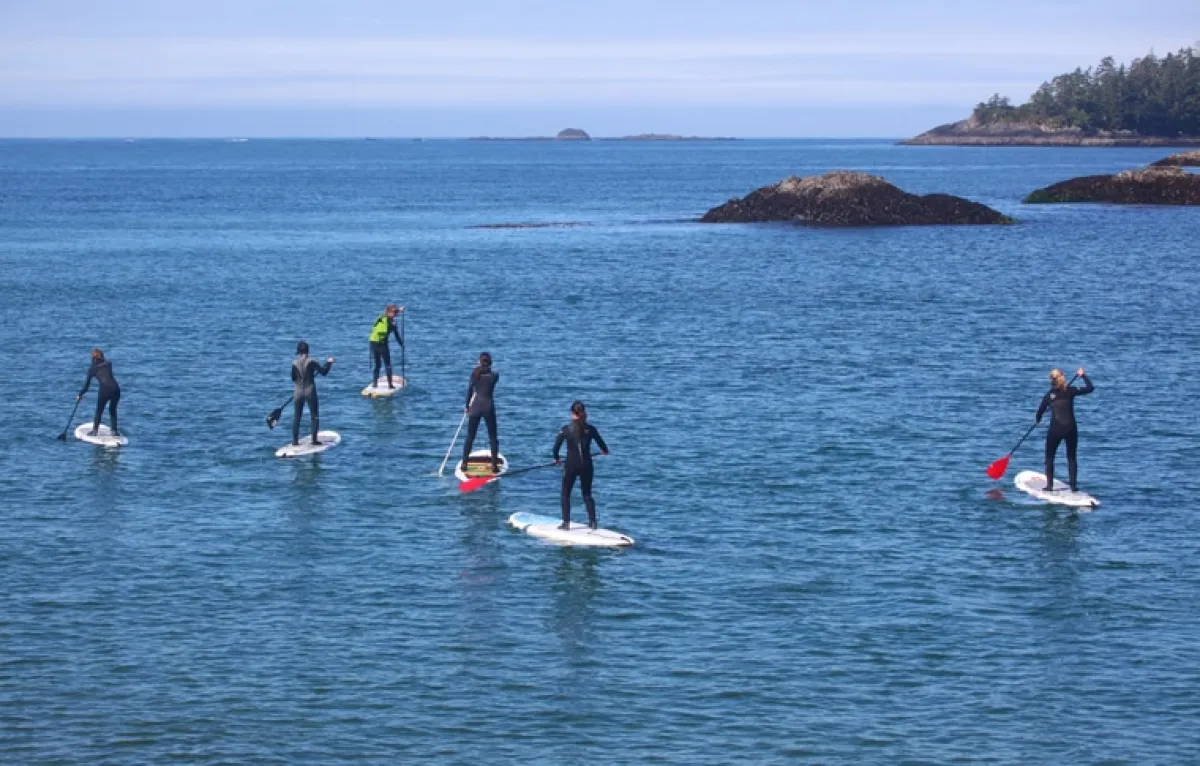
[(530, 67)]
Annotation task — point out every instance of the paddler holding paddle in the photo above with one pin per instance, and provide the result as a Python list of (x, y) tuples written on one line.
[(381, 354), (480, 406), (578, 435), (304, 380), (1060, 400)]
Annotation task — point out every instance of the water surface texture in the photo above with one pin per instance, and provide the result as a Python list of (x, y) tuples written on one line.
[(799, 419)]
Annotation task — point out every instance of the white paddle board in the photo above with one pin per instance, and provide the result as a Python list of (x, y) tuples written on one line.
[(481, 465), (1034, 483), (328, 439), (546, 528), (379, 389), (104, 436)]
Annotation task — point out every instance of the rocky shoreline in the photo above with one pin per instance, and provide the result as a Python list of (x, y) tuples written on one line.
[(848, 198), (970, 132)]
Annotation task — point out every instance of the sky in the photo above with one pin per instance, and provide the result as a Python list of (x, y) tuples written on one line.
[(855, 68)]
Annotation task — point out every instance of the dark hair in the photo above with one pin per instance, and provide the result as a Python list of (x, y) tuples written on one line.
[(485, 364), (98, 355), (301, 348), (580, 412)]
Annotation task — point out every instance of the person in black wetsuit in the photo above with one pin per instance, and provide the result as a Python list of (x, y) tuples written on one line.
[(304, 379), (1060, 400), (480, 406), (381, 353), (578, 435), (109, 394)]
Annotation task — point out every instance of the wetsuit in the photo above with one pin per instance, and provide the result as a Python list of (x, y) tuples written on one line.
[(579, 438), (480, 406), (304, 376), (381, 354), (1061, 403), (109, 394)]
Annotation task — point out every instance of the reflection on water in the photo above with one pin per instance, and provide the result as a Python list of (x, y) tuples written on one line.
[(575, 583)]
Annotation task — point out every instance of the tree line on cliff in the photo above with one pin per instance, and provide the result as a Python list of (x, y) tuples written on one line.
[(1152, 96)]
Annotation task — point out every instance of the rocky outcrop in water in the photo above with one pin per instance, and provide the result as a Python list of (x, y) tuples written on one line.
[(1182, 160), (1150, 186), (845, 198), (572, 134), (972, 132)]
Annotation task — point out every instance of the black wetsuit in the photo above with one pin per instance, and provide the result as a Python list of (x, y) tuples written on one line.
[(304, 376), (381, 352), (579, 438), (480, 406), (1061, 403), (109, 393)]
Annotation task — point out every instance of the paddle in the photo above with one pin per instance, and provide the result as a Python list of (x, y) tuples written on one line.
[(403, 347), (277, 413), (63, 436), (997, 468), (442, 467), (470, 485)]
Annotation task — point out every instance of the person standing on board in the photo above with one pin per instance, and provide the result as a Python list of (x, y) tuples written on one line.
[(1060, 400), (109, 394), (578, 435), (304, 378), (480, 406), (381, 353)]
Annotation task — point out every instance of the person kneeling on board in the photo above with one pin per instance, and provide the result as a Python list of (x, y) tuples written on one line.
[(480, 405), (304, 376), (578, 435), (109, 394), (381, 354), (1060, 400)]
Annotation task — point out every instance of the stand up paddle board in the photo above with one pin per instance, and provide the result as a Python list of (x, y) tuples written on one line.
[(1034, 483), (104, 436), (328, 439), (379, 389), (546, 528), (480, 465)]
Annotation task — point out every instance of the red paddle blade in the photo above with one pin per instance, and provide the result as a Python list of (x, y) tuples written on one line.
[(470, 485), (997, 469)]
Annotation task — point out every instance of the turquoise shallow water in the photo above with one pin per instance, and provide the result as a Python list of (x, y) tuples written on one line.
[(799, 421)]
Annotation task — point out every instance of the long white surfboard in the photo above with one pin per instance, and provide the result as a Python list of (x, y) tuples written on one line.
[(1034, 483), (104, 436), (481, 465), (328, 439), (379, 389), (547, 529)]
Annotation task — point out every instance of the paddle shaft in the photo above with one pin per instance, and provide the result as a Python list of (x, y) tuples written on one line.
[(74, 409), (403, 349), (442, 467)]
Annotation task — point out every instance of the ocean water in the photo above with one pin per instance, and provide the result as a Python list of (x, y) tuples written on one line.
[(799, 421)]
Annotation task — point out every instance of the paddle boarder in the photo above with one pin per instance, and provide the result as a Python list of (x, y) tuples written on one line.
[(480, 406), (1060, 400), (578, 435), (109, 393), (381, 353), (304, 378)]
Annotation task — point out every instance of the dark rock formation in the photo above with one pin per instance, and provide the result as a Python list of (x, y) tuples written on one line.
[(844, 198), (573, 134), (971, 132), (1184, 160), (1152, 186)]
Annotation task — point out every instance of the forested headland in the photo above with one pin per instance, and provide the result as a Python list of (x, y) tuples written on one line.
[(1152, 100)]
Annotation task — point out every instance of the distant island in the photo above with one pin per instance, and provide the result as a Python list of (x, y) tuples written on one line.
[(1151, 102), (577, 134)]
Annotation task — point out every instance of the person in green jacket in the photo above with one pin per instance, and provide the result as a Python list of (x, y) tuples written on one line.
[(384, 326)]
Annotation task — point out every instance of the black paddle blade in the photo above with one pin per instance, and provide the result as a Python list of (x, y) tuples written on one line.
[(62, 437), (274, 417)]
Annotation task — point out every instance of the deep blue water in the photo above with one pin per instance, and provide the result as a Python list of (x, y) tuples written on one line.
[(799, 419)]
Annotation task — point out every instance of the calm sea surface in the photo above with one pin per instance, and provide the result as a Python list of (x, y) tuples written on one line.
[(799, 419)]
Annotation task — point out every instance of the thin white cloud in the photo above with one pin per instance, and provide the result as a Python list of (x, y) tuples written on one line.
[(860, 69)]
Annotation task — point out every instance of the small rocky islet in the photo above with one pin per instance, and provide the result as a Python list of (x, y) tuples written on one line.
[(1155, 185), (849, 198)]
